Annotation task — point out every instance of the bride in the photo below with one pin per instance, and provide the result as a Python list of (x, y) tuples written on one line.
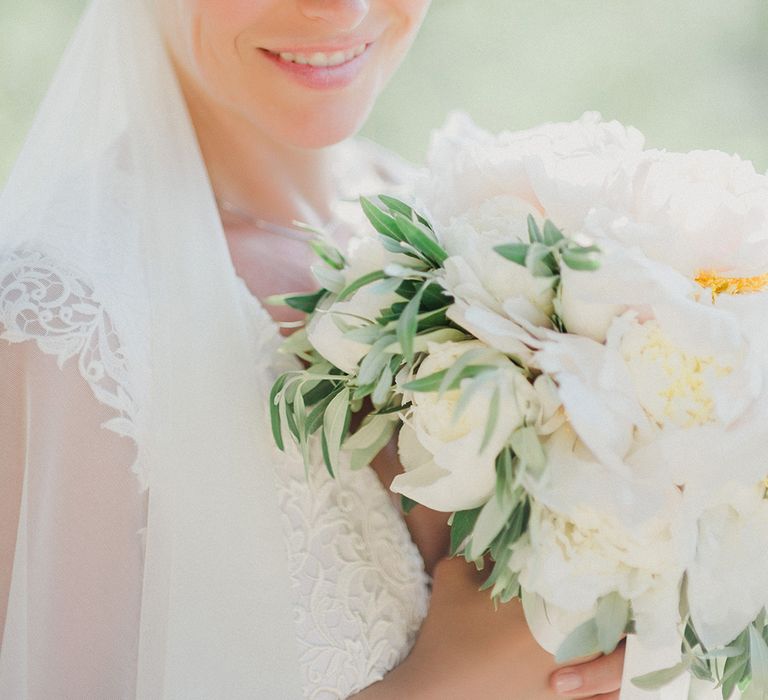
[(153, 543)]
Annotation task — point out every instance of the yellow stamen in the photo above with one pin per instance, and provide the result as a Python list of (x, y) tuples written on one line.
[(730, 285)]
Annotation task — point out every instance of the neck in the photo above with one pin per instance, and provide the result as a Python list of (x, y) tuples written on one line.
[(256, 174)]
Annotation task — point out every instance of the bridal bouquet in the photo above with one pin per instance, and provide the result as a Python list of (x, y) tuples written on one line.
[(569, 332)]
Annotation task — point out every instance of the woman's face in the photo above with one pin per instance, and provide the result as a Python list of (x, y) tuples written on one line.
[(306, 72)]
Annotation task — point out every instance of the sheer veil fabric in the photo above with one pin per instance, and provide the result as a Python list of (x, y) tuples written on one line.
[(130, 382)]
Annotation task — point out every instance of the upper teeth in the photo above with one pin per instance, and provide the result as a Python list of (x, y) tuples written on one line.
[(323, 59)]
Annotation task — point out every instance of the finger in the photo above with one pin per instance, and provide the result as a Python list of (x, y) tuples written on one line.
[(601, 676), (607, 696)]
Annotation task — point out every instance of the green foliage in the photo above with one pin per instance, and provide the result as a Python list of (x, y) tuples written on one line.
[(301, 302), (462, 522), (658, 679), (422, 239), (383, 222), (602, 633), (516, 252), (612, 618), (404, 231), (436, 381), (359, 283), (305, 401), (395, 205), (407, 504), (370, 438), (407, 325), (736, 667), (742, 664), (494, 518), (274, 410), (494, 410), (527, 446), (336, 419), (548, 249), (328, 253), (758, 662), (319, 400), (581, 257), (583, 641)]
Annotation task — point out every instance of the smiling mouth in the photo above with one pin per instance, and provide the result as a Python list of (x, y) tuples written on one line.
[(319, 59)]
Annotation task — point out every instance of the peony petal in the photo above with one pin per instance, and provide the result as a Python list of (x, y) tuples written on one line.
[(723, 596), (602, 414)]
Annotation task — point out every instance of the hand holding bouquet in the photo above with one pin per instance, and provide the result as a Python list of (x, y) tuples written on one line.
[(569, 331)]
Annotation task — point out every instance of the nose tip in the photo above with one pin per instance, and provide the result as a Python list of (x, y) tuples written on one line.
[(341, 14)]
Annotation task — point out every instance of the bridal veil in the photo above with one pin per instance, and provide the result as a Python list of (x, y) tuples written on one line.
[(141, 551)]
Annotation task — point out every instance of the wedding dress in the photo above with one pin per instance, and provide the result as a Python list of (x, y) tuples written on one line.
[(153, 541)]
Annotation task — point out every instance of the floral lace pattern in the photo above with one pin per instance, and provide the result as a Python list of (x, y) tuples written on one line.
[(359, 582), (57, 307)]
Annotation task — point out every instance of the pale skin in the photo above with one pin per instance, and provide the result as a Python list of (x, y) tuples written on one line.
[(268, 144)]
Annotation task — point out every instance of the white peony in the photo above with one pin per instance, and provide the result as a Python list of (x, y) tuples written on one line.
[(597, 394), (572, 561), (602, 532), (728, 578), (703, 210), (683, 386), (658, 384), (447, 468), (700, 216), (561, 169), (483, 282)]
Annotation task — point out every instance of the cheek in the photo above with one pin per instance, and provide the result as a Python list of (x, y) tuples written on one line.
[(214, 35), (233, 12)]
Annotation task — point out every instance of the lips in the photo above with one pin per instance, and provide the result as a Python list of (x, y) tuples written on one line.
[(322, 59), (321, 68)]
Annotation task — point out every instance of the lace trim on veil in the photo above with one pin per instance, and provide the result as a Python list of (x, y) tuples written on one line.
[(55, 306)]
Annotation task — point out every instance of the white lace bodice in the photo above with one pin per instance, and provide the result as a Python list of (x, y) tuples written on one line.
[(358, 580)]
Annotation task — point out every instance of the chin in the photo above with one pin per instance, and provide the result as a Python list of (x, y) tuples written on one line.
[(317, 125), (317, 133)]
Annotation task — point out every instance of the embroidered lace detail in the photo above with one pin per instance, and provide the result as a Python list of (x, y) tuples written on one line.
[(359, 582), (56, 307)]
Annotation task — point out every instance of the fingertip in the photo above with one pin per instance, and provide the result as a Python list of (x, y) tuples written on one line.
[(566, 680)]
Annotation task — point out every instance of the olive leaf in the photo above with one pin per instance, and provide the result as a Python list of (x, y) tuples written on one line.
[(380, 220), (335, 426), (583, 641), (612, 617), (462, 522), (658, 679), (408, 324)]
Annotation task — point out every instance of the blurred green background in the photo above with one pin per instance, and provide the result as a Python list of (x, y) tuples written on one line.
[(688, 73)]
